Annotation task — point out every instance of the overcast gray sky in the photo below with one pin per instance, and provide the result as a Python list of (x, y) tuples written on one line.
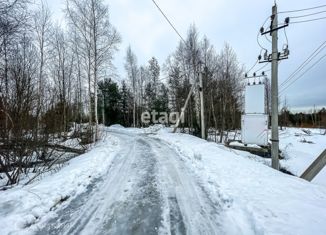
[(236, 22)]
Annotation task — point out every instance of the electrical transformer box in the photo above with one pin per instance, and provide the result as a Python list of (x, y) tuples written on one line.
[(254, 129), (255, 99)]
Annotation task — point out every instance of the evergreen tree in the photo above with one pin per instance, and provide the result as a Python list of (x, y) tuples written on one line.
[(125, 105), (111, 95), (161, 103), (153, 84), (154, 73)]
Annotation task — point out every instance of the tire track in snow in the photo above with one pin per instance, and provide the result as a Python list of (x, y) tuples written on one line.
[(148, 190), (141, 212), (125, 202), (190, 209)]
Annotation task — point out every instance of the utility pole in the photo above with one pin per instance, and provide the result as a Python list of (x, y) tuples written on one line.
[(202, 111), (183, 109), (315, 167), (275, 139), (202, 114), (274, 57)]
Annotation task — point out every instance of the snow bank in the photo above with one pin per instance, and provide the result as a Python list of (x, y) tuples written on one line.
[(23, 206), (146, 130), (116, 126), (261, 200)]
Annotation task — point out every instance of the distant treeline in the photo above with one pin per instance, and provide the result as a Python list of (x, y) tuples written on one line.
[(315, 119)]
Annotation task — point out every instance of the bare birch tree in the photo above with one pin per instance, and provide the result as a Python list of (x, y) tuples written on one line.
[(99, 41), (42, 28), (131, 68)]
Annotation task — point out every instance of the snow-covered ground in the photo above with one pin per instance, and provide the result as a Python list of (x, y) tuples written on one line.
[(262, 200), (23, 206), (301, 149), (299, 146), (147, 181)]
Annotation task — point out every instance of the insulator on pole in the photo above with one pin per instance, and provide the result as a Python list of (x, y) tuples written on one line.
[(287, 20)]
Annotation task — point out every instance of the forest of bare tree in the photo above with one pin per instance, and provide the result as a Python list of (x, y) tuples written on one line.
[(49, 76), (58, 82)]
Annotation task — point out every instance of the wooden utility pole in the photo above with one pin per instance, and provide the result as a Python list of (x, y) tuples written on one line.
[(275, 138), (202, 111), (184, 107)]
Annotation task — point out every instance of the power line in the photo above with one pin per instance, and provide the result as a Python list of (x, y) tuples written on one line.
[(259, 42), (306, 62), (266, 21), (192, 87), (303, 21), (305, 9), (167, 19), (303, 73), (262, 48), (267, 38), (252, 66), (261, 68), (311, 14), (286, 37), (259, 34)]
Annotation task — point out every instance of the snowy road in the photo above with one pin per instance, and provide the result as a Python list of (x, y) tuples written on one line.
[(147, 190), (150, 181)]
